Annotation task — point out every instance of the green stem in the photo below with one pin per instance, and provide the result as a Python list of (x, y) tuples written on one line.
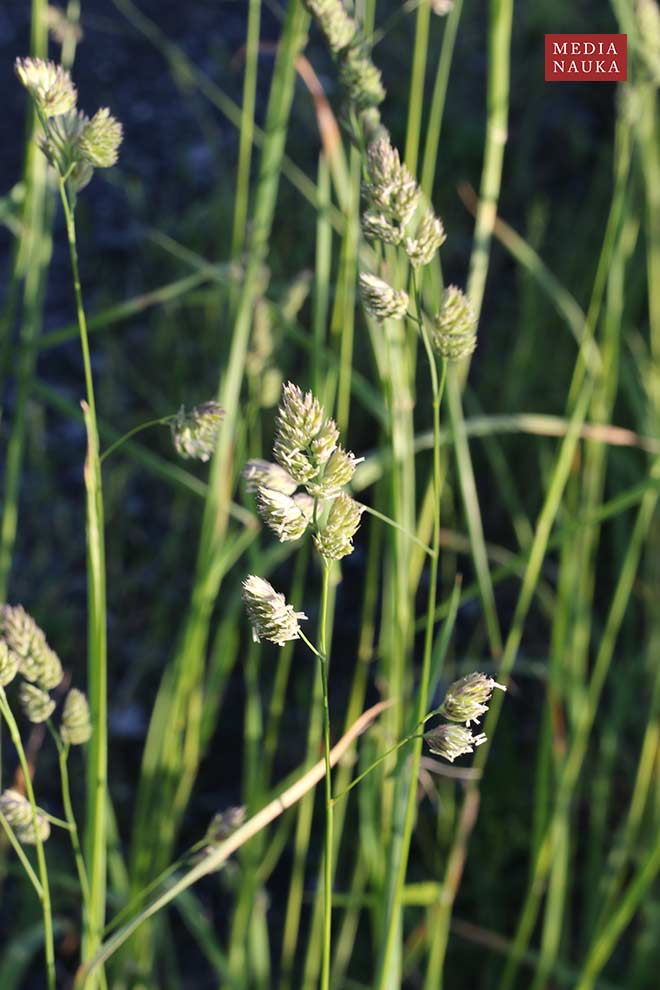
[(63, 755), (437, 386), (41, 858), (163, 421), (97, 633), (327, 914)]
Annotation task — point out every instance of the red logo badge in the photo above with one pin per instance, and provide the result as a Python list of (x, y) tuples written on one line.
[(586, 57)]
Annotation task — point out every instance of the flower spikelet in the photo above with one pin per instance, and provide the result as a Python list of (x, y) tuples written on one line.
[(282, 514), (9, 662), (467, 699), (195, 432), (304, 438), (380, 299), (338, 472), (454, 330), (258, 473), (451, 741), (48, 84), (100, 139), (335, 539), (76, 725), (430, 236), (390, 189), (37, 704), (270, 615), (36, 660), (17, 811), (377, 227), (339, 29)]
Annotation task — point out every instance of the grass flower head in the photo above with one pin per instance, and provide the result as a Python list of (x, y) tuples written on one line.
[(76, 725), (48, 84), (195, 432), (380, 299), (269, 614), (17, 812), (451, 741), (467, 699), (454, 329)]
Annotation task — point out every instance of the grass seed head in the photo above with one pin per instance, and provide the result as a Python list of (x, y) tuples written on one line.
[(195, 432), (451, 741), (17, 812), (430, 236), (258, 473), (337, 26), (454, 330), (467, 699), (269, 614), (48, 84), (37, 705), (287, 517), (37, 662), (76, 725), (335, 539), (380, 299), (100, 139)]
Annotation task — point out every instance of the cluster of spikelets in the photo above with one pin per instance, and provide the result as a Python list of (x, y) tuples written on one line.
[(394, 212), (309, 457), (358, 75), (25, 651), (195, 431), (392, 201), (465, 702), (73, 143)]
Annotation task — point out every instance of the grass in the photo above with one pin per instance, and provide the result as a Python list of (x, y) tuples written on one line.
[(511, 525)]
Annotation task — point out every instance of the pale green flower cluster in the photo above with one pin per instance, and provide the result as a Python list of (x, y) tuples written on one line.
[(307, 453), (195, 431), (270, 616), (380, 299), (24, 650), (17, 812), (466, 701), (454, 329), (72, 143)]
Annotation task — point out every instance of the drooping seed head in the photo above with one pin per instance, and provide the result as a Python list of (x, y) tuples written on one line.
[(48, 84), (100, 139), (430, 236), (9, 663), (195, 432), (17, 812), (377, 227), (380, 299), (258, 473), (451, 741), (287, 517), (37, 705), (467, 699), (76, 725), (454, 330), (335, 539), (269, 614)]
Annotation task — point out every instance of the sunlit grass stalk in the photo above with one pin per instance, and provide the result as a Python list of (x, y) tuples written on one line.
[(63, 756), (392, 917), (437, 108), (575, 758), (44, 897), (247, 127), (417, 81), (97, 772)]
